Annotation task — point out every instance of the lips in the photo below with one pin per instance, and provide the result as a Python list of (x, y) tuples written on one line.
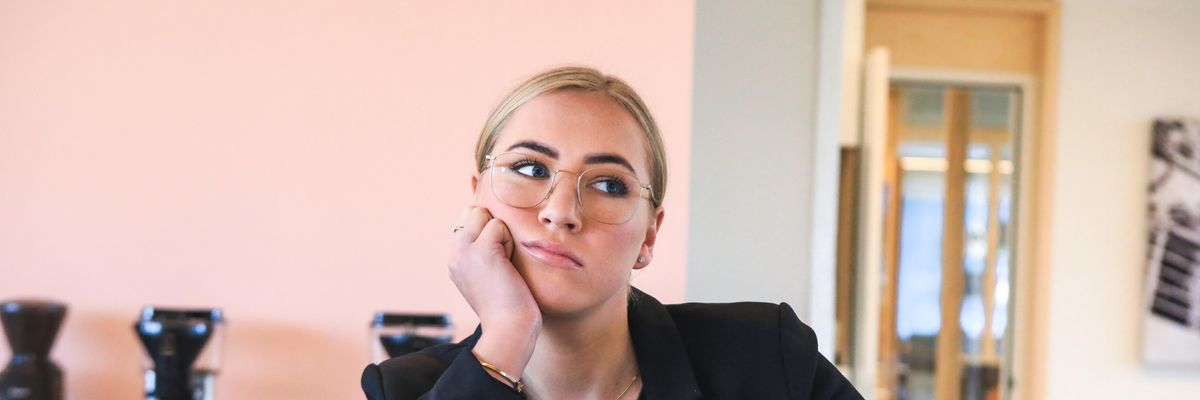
[(552, 253)]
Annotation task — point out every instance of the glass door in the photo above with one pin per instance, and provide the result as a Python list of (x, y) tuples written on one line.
[(948, 241)]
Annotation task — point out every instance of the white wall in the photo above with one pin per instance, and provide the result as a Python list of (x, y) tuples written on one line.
[(836, 123), (1123, 64), (752, 142)]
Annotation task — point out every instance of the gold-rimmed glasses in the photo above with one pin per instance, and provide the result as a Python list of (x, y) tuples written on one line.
[(606, 194)]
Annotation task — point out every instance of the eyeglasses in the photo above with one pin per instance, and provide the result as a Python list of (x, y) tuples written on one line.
[(605, 194)]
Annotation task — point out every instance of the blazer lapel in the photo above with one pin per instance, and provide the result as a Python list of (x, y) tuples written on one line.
[(662, 359)]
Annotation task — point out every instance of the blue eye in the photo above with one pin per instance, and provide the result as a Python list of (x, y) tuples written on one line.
[(611, 186), (531, 169)]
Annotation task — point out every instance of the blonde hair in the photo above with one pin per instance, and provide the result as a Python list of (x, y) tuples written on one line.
[(586, 80)]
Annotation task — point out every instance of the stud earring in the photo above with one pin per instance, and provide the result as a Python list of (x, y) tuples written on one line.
[(641, 260)]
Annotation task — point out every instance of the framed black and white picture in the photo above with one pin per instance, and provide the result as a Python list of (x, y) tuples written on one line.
[(1171, 313)]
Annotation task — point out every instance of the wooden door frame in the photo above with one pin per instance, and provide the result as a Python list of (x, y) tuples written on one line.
[(1035, 173)]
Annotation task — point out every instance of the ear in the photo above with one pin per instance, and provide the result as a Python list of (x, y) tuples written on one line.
[(647, 251), (475, 190)]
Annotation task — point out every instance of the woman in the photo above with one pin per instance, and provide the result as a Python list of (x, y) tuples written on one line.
[(568, 202)]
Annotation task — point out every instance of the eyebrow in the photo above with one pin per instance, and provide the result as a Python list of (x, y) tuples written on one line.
[(535, 146), (609, 158), (601, 158)]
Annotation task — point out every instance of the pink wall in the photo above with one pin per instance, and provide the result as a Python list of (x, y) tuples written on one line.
[(297, 164)]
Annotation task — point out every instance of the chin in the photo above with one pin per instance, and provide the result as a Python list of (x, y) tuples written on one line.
[(554, 307), (558, 297), (564, 295)]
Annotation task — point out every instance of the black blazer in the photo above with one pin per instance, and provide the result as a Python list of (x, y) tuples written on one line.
[(684, 351)]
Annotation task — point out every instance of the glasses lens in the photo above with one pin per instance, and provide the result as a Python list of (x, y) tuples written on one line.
[(520, 180), (608, 195)]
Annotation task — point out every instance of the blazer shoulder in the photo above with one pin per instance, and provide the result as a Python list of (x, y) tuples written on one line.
[(759, 350), (740, 322)]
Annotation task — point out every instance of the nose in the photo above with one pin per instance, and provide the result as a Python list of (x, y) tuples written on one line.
[(561, 210)]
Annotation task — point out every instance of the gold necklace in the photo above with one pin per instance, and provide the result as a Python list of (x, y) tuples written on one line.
[(619, 396), (635, 378)]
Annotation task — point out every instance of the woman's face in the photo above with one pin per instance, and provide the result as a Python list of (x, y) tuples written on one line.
[(572, 263)]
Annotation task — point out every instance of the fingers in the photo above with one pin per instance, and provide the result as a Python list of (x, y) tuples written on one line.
[(472, 222), (478, 225), (495, 231)]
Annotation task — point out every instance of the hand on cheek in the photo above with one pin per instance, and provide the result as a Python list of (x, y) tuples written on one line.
[(481, 268)]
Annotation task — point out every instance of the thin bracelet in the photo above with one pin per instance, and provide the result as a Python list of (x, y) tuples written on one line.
[(516, 383)]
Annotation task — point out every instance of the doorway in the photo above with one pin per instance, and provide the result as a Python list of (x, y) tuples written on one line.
[(949, 240)]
